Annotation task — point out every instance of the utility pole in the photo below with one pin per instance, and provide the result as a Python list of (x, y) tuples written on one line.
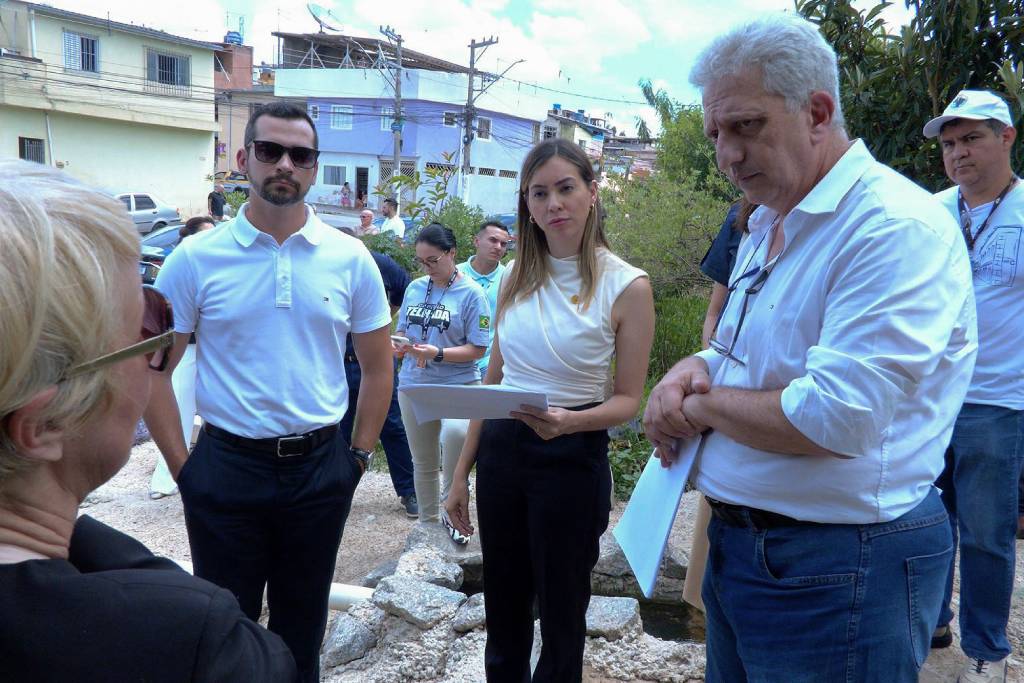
[(396, 125), (470, 113)]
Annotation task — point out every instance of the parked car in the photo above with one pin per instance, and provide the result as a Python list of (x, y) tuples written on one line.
[(233, 181), (157, 246), (148, 212)]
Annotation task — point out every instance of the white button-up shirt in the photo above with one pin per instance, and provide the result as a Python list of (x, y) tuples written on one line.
[(271, 321), (867, 324)]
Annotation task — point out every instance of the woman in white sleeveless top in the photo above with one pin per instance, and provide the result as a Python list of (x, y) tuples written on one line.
[(567, 309)]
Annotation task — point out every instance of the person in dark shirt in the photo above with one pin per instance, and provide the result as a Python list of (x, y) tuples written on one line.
[(718, 262), (392, 434), (80, 601), (216, 202)]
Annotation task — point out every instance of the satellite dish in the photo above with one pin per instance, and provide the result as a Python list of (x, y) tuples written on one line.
[(321, 15)]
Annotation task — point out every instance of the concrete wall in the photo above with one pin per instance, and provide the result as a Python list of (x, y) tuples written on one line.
[(171, 163)]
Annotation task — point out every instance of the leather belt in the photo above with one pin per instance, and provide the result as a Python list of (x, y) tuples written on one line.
[(280, 446), (743, 516)]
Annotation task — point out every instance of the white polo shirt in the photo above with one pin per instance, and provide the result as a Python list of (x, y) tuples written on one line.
[(272, 321), (867, 324), (395, 225)]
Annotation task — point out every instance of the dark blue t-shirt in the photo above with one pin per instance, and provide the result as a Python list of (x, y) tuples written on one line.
[(718, 262), (396, 280)]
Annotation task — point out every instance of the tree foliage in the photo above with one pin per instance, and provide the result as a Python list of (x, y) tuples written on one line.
[(893, 82)]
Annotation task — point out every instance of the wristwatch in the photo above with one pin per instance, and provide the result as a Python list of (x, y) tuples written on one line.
[(364, 457), (439, 358)]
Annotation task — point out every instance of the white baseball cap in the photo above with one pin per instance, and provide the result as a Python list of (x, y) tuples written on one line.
[(977, 105)]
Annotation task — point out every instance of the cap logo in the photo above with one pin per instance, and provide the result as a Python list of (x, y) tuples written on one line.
[(958, 102)]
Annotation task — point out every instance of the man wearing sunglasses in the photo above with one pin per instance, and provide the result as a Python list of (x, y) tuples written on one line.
[(830, 388), (271, 297), (979, 484)]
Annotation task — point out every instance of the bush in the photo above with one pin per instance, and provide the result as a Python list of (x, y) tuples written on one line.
[(463, 221), (664, 227), (235, 200), (677, 328), (628, 455)]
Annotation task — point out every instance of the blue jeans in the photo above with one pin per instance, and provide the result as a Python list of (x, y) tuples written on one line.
[(827, 602), (979, 488), (392, 433)]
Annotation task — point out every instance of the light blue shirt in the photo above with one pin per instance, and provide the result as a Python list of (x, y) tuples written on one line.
[(271, 322), (490, 283), (453, 318)]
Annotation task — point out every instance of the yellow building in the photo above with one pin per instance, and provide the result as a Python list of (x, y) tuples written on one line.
[(119, 106)]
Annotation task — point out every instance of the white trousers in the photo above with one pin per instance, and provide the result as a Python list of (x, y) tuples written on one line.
[(183, 380), (429, 443)]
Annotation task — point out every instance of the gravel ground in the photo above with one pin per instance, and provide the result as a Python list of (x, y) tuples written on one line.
[(376, 532)]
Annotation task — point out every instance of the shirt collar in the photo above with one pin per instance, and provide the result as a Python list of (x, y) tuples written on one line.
[(480, 276), (245, 233), (825, 196)]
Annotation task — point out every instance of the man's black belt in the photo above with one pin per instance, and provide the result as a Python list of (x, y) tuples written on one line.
[(281, 446), (743, 516)]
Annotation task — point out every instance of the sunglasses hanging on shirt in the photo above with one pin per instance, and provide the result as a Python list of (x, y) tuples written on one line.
[(965, 214)]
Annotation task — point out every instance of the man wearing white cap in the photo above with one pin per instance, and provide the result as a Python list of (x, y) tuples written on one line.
[(983, 460)]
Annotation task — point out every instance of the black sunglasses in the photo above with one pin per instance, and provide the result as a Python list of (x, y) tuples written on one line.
[(271, 152), (157, 337), (760, 276)]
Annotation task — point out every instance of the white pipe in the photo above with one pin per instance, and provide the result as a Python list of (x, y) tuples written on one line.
[(32, 32), (49, 138), (341, 598)]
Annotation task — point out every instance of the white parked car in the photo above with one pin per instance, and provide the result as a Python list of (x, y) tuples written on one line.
[(148, 212)]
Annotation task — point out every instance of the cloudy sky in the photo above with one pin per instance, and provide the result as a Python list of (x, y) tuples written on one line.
[(594, 52)]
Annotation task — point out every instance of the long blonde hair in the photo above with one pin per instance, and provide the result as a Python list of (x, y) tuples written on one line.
[(530, 269), (64, 247)]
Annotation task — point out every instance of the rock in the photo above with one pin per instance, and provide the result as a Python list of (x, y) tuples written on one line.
[(96, 498), (428, 563), (466, 556), (348, 640), (675, 562), (379, 572), (611, 561), (643, 658), (470, 615), (611, 618), (415, 601)]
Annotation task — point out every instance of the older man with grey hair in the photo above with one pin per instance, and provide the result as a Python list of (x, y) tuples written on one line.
[(829, 393)]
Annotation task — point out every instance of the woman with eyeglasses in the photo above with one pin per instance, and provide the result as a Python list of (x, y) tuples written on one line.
[(81, 339), (575, 322), (445, 321)]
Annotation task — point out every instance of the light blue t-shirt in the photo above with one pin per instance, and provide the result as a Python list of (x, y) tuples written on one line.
[(490, 283), (450, 318)]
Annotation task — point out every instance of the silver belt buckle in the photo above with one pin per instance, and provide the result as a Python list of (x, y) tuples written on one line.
[(288, 439)]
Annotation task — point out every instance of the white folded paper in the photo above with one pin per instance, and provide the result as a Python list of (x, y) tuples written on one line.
[(643, 529), (468, 401)]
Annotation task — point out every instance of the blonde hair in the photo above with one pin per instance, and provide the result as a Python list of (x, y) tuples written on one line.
[(530, 269), (64, 247)]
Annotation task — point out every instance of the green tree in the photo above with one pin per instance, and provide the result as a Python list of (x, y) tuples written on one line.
[(684, 152), (894, 82)]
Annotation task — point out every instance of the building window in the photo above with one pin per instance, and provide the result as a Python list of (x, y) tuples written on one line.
[(582, 143), (341, 117), (550, 132), (31, 149), (486, 171), (536, 132), (387, 117), (334, 175), (451, 119), (314, 112), (483, 128), (79, 52), (430, 166), (508, 174), (168, 73)]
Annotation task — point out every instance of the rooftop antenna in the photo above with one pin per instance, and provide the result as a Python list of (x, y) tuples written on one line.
[(322, 15)]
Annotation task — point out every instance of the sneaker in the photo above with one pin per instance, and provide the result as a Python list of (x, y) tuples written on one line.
[(942, 637), (456, 535), (981, 671), (157, 495), (412, 507)]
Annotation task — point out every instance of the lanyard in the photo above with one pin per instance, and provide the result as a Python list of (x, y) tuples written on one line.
[(965, 214), (430, 307)]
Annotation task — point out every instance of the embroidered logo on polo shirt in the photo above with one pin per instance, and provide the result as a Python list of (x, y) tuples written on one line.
[(326, 299), (485, 322)]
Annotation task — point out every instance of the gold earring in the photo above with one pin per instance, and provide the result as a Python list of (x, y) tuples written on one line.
[(532, 222)]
